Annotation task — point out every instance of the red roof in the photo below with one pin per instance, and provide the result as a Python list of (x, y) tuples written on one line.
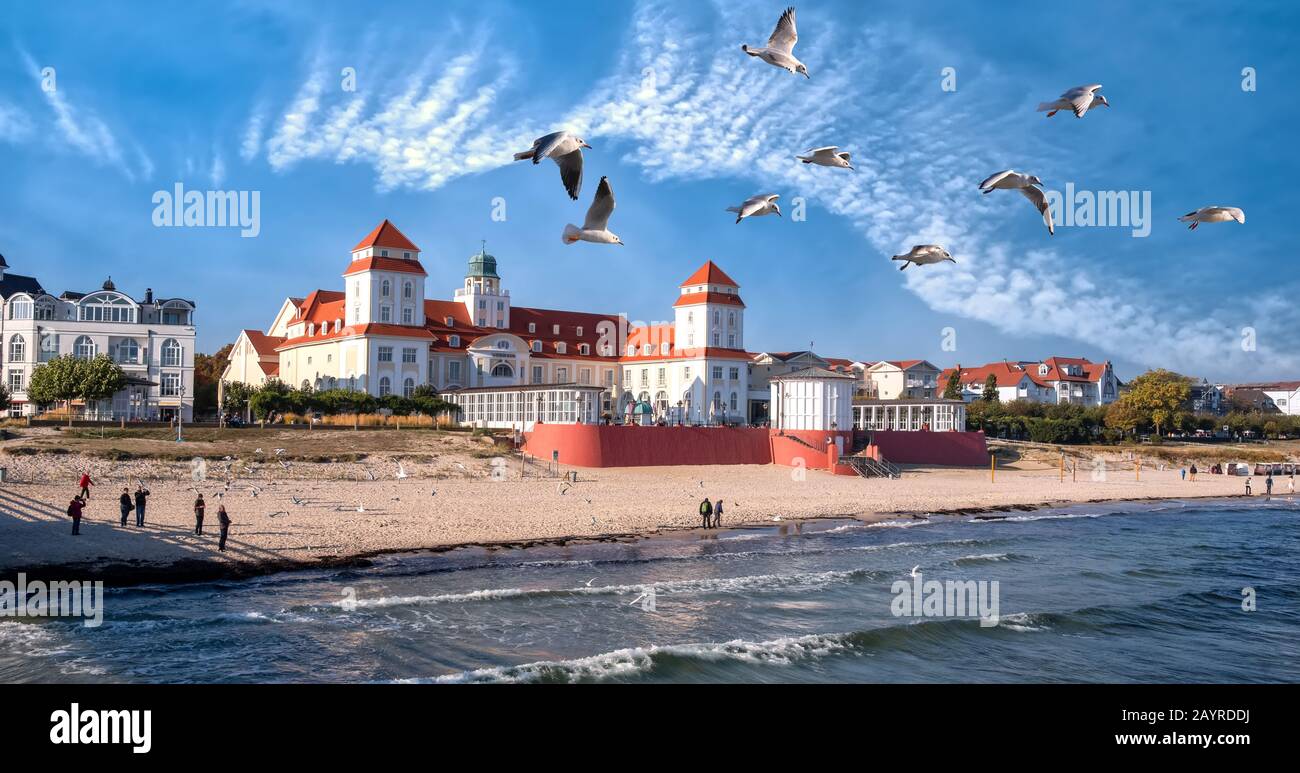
[(710, 274), (262, 343), (386, 235), (352, 331), (322, 307), (270, 369), (405, 265), (695, 299)]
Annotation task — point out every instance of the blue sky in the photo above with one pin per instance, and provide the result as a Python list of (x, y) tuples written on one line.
[(248, 96)]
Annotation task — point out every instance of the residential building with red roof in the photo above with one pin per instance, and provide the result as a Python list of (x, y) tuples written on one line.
[(1053, 380), (381, 334)]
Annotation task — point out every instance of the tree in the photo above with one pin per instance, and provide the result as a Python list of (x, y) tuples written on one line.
[(991, 390), (67, 378), (5, 398), (273, 397), (207, 375), (953, 390), (1158, 397), (236, 396)]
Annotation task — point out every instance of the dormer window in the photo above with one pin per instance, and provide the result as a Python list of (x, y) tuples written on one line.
[(532, 327), (560, 347), (383, 253), (647, 349), (555, 329), (311, 330), (663, 348), (580, 331), (1042, 369), (453, 341), (631, 350), (450, 321), (537, 346), (584, 349), (406, 255)]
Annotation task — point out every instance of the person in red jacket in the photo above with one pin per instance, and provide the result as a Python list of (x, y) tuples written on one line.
[(74, 512), (85, 484)]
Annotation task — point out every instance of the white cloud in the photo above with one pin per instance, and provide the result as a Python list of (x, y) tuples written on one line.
[(82, 129), (251, 143), (218, 172), (15, 125)]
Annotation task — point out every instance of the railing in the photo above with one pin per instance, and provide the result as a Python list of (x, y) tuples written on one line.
[(867, 467)]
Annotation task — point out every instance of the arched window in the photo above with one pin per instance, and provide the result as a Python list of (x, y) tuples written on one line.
[(311, 329), (85, 348), (176, 313), (17, 349), (386, 289), (537, 346), (408, 290), (171, 353), (733, 401), (408, 387), (21, 308), (107, 307), (128, 352), (385, 386), (503, 370)]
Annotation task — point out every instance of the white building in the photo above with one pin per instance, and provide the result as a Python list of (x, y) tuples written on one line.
[(903, 379), (151, 339), (1283, 395), (813, 399), (1054, 380), (382, 335)]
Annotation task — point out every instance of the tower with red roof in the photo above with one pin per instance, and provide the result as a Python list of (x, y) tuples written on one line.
[(384, 282)]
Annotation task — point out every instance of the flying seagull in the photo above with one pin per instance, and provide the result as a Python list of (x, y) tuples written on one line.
[(827, 156), (1079, 99), (1213, 215), (566, 151), (596, 227), (923, 255), (1010, 179), (780, 47), (756, 206)]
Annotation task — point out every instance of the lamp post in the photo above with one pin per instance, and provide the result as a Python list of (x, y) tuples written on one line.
[(180, 415)]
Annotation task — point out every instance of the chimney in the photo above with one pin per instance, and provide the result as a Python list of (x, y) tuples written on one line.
[(148, 295)]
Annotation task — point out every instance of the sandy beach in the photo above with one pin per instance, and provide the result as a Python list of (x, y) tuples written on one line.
[(290, 514)]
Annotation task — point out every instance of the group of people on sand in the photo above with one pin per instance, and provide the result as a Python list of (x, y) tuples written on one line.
[(138, 502), (1268, 480), (710, 514)]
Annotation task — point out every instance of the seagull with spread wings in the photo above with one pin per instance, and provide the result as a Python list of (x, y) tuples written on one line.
[(923, 255), (1213, 215), (596, 227), (1011, 180), (566, 151), (830, 155), (757, 206), (779, 51), (1078, 99)]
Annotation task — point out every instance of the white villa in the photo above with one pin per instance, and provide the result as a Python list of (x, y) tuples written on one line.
[(1054, 380), (151, 339)]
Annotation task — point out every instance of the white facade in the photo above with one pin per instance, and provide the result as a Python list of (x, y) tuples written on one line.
[(813, 399), (522, 407), (151, 340)]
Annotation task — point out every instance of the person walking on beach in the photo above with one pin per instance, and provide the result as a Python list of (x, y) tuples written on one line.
[(1290, 484), (141, 498), (1193, 472), (74, 512), (85, 484), (125, 502), (706, 510), (1247, 486), (1182, 473), (717, 514), (199, 507), (224, 521), (1268, 485)]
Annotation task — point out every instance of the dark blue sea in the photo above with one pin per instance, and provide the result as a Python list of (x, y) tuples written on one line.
[(1119, 592)]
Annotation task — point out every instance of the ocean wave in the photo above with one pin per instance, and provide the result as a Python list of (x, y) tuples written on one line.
[(984, 558), (758, 582)]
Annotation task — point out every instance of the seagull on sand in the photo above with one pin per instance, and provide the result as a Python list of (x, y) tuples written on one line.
[(757, 206), (923, 255), (780, 47), (596, 227), (1079, 99), (831, 155), (1213, 215), (1010, 179), (566, 151), (401, 471), (298, 502)]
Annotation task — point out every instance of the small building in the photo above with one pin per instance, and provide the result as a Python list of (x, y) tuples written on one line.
[(813, 399), (903, 379)]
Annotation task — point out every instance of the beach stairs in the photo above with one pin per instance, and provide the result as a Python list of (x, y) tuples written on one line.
[(868, 467)]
